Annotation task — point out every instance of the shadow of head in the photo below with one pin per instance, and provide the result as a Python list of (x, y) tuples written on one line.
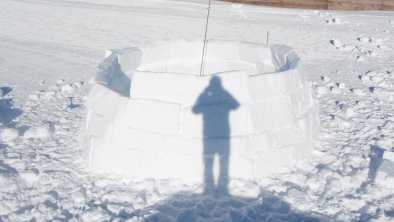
[(215, 94), (216, 83)]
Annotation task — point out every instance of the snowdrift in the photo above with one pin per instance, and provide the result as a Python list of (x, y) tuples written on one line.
[(142, 123)]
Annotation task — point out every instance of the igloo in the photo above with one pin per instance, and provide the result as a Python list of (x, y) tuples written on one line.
[(150, 114)]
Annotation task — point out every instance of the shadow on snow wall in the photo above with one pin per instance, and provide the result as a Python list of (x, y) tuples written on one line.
[(7, 112), (215, 104)]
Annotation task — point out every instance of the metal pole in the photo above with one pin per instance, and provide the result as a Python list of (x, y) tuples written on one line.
[(205, 39), (268, 35)]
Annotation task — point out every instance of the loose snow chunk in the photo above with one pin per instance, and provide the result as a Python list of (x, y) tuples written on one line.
[(336, 42), (388, 156), (364, 39), (385, 174), (34, 97), (38, 132), (67, 88), (60, 81), (386, 142), (95, 215), (335, 90), (29, 176), (348, 111), (341, 85), (7, 183), (321, 90), (342, 123), (360, 58), (325, 79), (372, 53), (359, 92), (384, 94), (9, 134)]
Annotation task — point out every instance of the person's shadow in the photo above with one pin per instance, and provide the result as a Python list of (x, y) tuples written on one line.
[(215, 104)]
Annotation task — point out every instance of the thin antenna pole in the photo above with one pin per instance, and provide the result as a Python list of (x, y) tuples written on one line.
[(205, 38), (268, 35)]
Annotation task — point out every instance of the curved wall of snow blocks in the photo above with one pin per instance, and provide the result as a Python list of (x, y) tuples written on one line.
[(140, 121)]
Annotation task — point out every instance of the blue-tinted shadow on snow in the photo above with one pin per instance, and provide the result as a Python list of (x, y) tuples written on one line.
[(215, 105), (190, 207), (7, 112), (4, 90), (71, 104)]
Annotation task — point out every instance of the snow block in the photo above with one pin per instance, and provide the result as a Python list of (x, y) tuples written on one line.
[(249, 104), (97, 125), (147, 142), (385, 173), (271, 114), (104, 102), (110, 73), (185, 89), (166, 87), (128, 58), (180, 147), (152, 116), (221, 50)]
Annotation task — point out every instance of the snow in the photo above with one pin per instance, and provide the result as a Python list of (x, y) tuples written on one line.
[(61, 42), (9, 134), (38, 132)]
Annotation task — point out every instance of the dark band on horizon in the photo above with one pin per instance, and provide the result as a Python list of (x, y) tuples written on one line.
[(356, 5)]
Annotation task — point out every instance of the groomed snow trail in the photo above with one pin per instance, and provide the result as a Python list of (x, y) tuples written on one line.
[(42, 177)]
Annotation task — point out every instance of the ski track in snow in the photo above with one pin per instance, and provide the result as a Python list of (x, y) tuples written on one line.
[(43, 178)]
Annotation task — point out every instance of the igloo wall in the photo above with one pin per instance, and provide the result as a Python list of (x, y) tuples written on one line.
[(140, 120)]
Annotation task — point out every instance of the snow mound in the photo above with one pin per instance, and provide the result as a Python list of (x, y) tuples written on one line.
[(151, 115)]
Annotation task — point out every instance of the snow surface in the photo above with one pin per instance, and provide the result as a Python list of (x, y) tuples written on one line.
[(152, 131), (46, 44)]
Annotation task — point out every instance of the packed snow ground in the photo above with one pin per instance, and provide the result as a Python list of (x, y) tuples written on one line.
[(349, 59)]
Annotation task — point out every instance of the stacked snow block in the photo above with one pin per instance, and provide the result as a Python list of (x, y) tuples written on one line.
[(154, 133)]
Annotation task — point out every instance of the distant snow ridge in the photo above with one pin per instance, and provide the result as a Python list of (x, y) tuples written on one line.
[(142, 121)]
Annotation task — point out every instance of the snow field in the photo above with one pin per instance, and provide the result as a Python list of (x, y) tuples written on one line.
[(154, 133), (43, 179)]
